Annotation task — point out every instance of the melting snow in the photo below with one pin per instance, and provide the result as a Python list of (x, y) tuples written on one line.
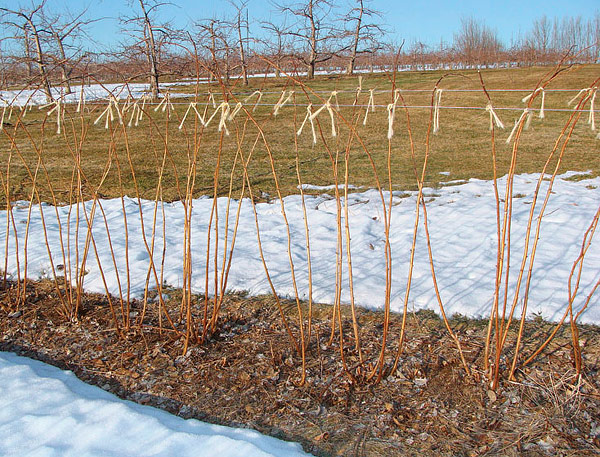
[(462, 221), (45, 411)]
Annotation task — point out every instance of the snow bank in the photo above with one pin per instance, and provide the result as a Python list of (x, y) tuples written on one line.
[(462, 220), (45, 411), (91, 93)]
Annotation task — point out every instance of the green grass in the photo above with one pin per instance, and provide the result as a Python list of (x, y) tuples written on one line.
[(462, 148)]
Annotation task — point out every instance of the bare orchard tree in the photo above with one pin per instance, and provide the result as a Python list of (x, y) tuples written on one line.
[(64, 30), (27, 25), (276, 46), (217, 40), (241, 26), (149, 34), (207, 38), (363, 31), (27, 48), (315, 30)]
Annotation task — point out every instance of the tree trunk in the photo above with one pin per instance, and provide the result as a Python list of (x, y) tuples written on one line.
[(213, 51), (227, 66), (153, 76), (311, 69), (242, 55), (63, 64), (151, 53), (350, 67), (40, 61), (279, 55), (3, 77), (27, 52), (313, 43), (153, 69)]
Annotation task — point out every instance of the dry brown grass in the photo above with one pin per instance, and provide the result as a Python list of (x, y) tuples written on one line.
[(461, 148)]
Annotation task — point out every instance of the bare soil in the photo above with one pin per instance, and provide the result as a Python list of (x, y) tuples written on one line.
[(247, 375)]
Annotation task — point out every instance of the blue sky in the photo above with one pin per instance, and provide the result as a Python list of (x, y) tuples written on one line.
[(428, 21)]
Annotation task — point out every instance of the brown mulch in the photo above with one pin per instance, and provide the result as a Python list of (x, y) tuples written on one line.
[(248, 375)]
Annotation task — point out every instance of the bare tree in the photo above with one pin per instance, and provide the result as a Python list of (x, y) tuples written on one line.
[(215, 36), (149, 36), (276, 46), (64, 30), (27, 48), (62, 57), (315, 30), (241, 25), (362, 31), (30, 26)]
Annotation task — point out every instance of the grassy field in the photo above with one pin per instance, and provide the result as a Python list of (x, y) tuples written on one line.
[(157, 150)]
